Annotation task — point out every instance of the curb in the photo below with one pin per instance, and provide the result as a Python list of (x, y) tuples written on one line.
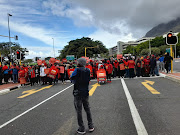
[(10, 89), (170, 78)]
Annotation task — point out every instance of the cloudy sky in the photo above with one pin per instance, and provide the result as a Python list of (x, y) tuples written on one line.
[(36, 22)]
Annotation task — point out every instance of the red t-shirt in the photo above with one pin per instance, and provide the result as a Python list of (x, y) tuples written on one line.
[(131, 63), (116, 64)]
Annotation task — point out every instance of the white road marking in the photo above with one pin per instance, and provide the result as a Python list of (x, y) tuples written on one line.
[(141, 130), (4, 91), (3, 125)]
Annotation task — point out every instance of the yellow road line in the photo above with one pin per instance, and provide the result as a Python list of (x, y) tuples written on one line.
[(151, 89), (93, 89), (30, 92)]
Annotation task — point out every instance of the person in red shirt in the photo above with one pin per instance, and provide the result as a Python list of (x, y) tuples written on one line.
[(147, 66), (115, 68), (109, 69), (138, 67), (32, 79), (121, 68), (62, 73), (21, 75), (131, 65)]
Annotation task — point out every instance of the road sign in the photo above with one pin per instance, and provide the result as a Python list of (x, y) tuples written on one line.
[(70, 57), (168, 50)]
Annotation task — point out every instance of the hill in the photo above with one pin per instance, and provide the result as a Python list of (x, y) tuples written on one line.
[(163, 28)]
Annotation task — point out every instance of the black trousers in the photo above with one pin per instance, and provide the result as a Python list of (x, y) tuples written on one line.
[(131, 72), (32, 81), (62, 77), (1, 77), (6, 77), (43, 79), (109, 76), (138, 71), (78, 103)]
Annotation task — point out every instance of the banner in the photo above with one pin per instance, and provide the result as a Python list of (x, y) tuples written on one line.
[(119, 56)]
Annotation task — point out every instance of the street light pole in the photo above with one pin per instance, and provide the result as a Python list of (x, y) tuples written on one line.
[(53, 47), (149, 46), (9, 38)]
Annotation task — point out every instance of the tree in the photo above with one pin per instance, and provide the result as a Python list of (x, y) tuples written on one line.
[(163, 49), (5, 48), (145, 52), (28, 61), (130, 50), (155, 50), (77, 48)]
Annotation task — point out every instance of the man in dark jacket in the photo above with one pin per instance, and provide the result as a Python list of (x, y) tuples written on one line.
[(152, 65), (81, 78), (167, 61)]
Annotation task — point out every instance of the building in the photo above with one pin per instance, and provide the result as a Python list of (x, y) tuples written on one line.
[(121, 46)]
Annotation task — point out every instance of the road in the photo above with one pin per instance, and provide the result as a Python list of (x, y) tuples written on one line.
[(151, 105)]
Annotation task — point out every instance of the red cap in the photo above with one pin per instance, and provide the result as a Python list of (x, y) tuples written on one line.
[(101, 66), (115, 60), (108, 61)]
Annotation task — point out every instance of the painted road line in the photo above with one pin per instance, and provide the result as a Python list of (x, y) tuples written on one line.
[(4, 91), (151, 89), (140, 128), (30, 92), (3, 125), (114, 79), (93, 89)]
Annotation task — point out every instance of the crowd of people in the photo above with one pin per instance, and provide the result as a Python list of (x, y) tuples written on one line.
[(125, 67)]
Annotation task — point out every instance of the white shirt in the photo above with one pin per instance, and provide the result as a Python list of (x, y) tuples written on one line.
[(42, 73)]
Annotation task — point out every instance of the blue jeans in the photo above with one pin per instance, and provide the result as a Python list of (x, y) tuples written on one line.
[(127, 73), (15, 78), (157, 70)]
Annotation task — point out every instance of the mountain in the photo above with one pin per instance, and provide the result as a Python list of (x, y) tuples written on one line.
[(163, 28)]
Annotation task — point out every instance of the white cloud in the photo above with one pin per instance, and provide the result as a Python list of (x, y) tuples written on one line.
[(135, 17), (110, 39), (41, 52)]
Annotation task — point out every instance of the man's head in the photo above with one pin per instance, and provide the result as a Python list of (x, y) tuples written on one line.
[(81, 62)]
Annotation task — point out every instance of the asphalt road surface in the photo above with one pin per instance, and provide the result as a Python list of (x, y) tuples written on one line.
[(137, 106)]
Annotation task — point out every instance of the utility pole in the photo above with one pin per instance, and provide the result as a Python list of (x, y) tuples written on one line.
[(53, 47), (150, 46), (9, 39)]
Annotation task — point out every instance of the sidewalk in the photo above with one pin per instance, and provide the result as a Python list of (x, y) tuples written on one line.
[(8, 87), (173, 76)]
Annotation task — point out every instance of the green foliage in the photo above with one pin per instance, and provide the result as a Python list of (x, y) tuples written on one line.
[(77, 48), (155, 51), (28, 61), (129, 50), (157, 42), (145, 52), (5, 48), (142, 46), (163, 49)]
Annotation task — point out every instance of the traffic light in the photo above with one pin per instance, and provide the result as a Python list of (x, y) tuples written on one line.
[(171, 39), (16, 37), (22, 56), (18, 54)]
